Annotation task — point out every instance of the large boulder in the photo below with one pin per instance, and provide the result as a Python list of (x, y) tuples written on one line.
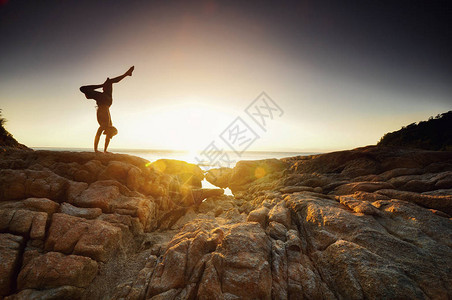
[(34, 204), (244, 172), (23, 222), (242, 262), (112, 197), (368, 160), (62, 292), (87, 213), (185, 173), (219, 177), (350, 188), (357, 254), (20, 184), (443, 203), (10, 247), (54, 269), (73, 235)]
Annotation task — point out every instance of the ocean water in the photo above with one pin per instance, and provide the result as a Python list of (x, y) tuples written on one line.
[(205, 161)]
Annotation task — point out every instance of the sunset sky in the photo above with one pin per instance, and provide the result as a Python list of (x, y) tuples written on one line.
[(343, 74)]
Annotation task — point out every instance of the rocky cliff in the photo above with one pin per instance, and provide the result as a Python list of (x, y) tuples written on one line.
[(372, 222)]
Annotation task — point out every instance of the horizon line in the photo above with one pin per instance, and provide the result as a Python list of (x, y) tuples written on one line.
[(313, 151)]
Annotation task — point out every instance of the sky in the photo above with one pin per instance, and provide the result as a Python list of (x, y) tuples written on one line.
[(342, 73)]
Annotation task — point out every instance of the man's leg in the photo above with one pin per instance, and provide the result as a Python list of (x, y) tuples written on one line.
[(121, 77), (90, 91)]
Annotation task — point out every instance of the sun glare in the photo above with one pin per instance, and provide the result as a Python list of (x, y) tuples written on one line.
[(188, 126)]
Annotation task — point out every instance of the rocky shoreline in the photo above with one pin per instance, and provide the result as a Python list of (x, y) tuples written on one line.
[(373, 222)]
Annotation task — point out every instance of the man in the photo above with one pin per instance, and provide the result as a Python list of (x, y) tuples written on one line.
[(104, 100)]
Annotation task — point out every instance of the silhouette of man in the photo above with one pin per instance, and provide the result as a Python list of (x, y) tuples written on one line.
[(104, 100)]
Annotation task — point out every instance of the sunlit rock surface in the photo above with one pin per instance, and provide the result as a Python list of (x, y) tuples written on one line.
[(372, 222)]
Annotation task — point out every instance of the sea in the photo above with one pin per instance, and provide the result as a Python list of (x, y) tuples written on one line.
[(205, 160)]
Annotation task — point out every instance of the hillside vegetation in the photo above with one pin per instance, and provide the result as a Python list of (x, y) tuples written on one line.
[(434, 134)]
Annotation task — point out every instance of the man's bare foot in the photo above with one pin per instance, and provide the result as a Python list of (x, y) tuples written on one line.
[(129, 72), (107, 152), (96, 151)]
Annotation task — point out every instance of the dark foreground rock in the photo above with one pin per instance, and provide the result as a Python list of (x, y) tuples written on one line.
[(366, 223)]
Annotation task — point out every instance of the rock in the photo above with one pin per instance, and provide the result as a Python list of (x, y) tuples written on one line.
[(293, 242), (127, 224), (241, 261), (210, 285), (304, 281), (295, 189), (34, 204), (185, 173), (277, 231), (63, 292), (400, 172), (20, 184), (259, 215), (135, 179), (116, 170), (365, 196), (370, 249), (423, 182), (369, 187), (93, 238), (359, 206), (87, 213), (442, 203), (138, 288), (54, 269), (217, 206), (12, 184), (440, 192), (279, 213), (23, 222), (247, 171), (75, 189), (279, 271), (346, 266), (200, 194), (112, 197), (10, 247), (94, 167), (306, 179), (178, 260), (99, 195), (219, 177), (368, 160)]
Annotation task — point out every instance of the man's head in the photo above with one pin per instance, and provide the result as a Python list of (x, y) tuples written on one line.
[(111, 131)]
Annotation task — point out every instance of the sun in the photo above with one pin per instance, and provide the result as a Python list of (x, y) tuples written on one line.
[(182, 126)]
